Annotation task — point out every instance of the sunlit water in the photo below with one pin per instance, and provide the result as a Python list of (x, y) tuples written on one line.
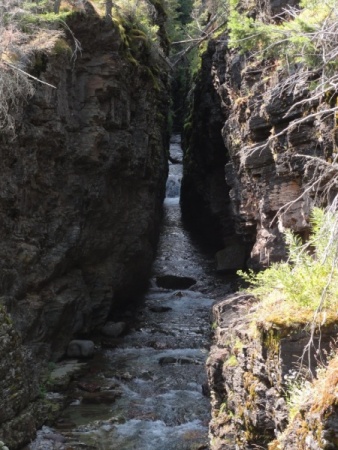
[(157, 368)]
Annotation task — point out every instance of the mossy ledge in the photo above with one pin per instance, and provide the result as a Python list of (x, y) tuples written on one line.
[(250, 397)]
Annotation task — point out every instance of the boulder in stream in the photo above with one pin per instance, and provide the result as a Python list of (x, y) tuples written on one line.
[(113, 329), (101, 397), (79, 348), (174, 282)]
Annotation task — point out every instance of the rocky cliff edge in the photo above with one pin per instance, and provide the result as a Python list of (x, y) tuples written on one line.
[(81, 190)]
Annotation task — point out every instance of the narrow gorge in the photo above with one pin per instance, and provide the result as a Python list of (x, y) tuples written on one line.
[(157, 158)]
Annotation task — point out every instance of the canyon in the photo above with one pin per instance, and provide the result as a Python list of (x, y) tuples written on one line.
[(81, 207)]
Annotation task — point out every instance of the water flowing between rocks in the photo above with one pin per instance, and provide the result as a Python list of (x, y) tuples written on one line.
[(151, 383)]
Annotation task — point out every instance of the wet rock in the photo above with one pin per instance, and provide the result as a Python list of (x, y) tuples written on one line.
[(61, 376), (167, 360), (179, 294), (125, 376), (159, 345), (174, 160), (206, 389), (80, 348), (160, 309), (109, 343), (180, 360), (88, 387), (63, 424), (113, 329), (174, 282), (101, 397)]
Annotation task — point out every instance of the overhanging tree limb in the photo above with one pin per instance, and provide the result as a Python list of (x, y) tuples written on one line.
[(196, 41)]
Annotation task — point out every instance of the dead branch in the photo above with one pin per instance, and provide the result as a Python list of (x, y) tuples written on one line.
[(197, 41)]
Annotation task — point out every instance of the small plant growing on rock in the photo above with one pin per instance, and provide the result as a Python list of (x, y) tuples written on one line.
[(298, 391)]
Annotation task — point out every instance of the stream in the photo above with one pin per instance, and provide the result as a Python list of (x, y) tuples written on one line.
[(147, 390)]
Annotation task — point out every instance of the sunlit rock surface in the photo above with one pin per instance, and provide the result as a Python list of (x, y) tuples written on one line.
[(258, 178)]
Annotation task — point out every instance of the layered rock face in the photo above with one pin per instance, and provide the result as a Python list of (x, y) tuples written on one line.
[(22, 407), (264, 176), (251, 370), (81, 189), (270, 166)]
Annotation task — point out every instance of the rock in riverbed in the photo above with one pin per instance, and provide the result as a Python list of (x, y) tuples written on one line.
[(80, 349)]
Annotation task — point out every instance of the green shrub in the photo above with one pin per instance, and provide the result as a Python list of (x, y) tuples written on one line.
[(298, 38), (308, 281), (139, 14)]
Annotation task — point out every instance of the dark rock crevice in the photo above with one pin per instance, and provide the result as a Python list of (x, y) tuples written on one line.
[(205, 198)]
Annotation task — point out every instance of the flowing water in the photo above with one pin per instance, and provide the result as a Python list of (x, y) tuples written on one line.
[(151, 383)]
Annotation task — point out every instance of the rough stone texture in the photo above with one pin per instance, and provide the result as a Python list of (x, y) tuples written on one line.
[(80, 201), (81, 189), (265, 176), (246, 369), (22, 408), (262, 176)]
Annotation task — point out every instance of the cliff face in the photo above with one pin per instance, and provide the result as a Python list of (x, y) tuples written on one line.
[(254, 371), (261, 175), (81, 188), (273, 177)]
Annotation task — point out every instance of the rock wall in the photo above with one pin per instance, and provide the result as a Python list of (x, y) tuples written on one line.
[(251, 367), (81, 191), (265, 165), (22, 407), (262, 175)]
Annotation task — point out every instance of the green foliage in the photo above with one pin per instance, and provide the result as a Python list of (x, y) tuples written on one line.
[(297, 392), (296, 39), (43, 19), (310, 277), (231, 361), (62, 47), (140, 14)]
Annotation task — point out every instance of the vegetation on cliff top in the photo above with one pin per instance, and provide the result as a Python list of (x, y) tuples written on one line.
[(303, 44), (29, 29), (301, 293)]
